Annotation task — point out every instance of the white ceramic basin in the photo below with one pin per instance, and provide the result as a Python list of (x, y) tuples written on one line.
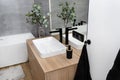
[(49, 46), (74, 42)]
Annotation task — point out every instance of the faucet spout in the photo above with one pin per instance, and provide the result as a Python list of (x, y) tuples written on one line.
[(60, 33), (67, 34)]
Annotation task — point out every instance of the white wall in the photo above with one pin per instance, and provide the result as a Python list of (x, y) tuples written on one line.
[(104, 33)]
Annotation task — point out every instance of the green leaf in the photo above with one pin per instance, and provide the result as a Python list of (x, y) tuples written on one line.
[(67, 13), (35, 16), (67, 4)]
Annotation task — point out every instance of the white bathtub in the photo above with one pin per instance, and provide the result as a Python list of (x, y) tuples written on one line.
[(13, 49)]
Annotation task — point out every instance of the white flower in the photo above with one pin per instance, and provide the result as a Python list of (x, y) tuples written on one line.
[(44, 21), (48, 14), (37, 13), (73, 14), (44, 17), (34, 5), (46, 26), (38, 7)]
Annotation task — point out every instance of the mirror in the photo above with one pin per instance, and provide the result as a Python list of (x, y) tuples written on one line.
[(81, 10)]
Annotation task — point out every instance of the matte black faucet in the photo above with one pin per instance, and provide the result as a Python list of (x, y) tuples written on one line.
[(74, 22), (67, 34), (82, 22), (60, 33)]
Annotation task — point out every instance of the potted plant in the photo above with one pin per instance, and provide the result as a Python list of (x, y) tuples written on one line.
[(35, 16), (67, 13)]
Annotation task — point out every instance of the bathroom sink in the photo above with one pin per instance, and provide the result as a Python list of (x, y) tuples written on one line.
[(49, 46)]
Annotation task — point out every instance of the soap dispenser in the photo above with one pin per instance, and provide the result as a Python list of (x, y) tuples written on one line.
[(69, 52)]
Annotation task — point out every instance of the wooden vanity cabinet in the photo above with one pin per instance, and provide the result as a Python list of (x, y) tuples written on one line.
[(52, 68)]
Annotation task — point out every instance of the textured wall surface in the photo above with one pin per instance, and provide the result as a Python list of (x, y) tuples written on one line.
[(44, 4), (12, 16), (81, 8)]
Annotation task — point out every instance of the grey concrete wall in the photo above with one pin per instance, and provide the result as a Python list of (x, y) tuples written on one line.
[(81, 8), (12, 16), (44, 4), (13, 20)]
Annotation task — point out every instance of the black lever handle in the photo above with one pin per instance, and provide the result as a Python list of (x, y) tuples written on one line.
[(83, 22)]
